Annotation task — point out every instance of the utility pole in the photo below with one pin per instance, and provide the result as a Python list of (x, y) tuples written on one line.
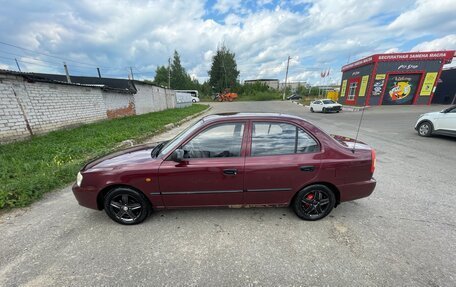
[(286, 78), (99, 74), (131, 72), (169, 73), (66, 72), (17, 63)]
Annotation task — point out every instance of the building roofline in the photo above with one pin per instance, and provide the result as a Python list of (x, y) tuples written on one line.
[(446, 56)]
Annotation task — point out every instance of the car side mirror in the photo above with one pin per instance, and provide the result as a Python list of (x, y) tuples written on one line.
[(178, 155)]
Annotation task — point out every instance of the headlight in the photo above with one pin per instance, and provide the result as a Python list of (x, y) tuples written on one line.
[(79, 179)]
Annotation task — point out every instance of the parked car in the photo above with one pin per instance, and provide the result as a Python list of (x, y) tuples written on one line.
[(294, 97), (325, 105), (231, 160), (439, 123)]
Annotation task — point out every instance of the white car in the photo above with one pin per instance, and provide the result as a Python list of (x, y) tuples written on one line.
[(325, 105), (441, 123), (195, 99)]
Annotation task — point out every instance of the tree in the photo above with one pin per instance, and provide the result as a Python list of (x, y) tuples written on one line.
[(161, 76), (180, 80), (223, 73)]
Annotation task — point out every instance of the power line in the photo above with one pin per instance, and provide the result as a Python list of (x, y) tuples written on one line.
[(52, 56)]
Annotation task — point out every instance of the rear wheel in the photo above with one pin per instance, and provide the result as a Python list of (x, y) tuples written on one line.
[(425, 129), (314, 202), (126, 206)]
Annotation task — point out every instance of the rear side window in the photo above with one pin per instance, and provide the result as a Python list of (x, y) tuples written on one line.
[(272, 138)]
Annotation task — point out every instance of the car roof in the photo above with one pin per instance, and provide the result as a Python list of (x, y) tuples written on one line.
[(254, 116)]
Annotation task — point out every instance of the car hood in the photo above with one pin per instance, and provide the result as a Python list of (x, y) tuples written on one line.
[(431, 114), (133, 155)]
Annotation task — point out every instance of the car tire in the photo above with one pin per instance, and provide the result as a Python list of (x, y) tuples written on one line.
[(314, 202), (311, 109), (194, 101), (324, 110), (337, 111), (126, 206), (425, 129)]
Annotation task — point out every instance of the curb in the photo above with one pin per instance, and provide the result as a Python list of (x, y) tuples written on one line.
[(354, 109), (129, 143), (172, 125)]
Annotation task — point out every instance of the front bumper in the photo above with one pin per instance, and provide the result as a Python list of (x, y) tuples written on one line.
[(333, 109), (86, 196), (356, 190)]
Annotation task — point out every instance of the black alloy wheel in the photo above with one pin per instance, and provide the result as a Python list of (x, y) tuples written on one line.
[(314, 202), (311, 109), (126, 206)]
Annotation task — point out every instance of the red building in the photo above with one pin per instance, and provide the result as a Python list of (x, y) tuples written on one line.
[(393, 79)]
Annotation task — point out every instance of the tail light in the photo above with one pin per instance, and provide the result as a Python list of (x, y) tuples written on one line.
[(374, 159)]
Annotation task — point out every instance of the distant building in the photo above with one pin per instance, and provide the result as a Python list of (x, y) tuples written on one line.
[(271, 83), (294, 85), (393, 79)]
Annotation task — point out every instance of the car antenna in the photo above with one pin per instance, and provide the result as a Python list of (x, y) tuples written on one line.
[(359, 126)]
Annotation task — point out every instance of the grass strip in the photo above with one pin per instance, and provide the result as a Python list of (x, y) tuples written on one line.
[(30, 168)]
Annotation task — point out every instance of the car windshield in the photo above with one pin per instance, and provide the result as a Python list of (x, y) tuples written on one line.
[(328, 102), (176, 140)]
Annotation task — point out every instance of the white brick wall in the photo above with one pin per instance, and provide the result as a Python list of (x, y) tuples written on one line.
[(150, 98), (114, 101), (50, 106), (46, 106)]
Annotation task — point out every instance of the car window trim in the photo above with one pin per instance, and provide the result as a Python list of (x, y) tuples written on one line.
[(249, 149), (205, 127)]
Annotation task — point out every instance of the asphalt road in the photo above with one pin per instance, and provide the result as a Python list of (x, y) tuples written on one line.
[(404, 234)]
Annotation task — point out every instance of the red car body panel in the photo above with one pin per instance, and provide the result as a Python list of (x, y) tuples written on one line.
[(271, 180)]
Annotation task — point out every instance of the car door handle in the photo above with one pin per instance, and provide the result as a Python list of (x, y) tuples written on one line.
[(307, 168), (230, 171)]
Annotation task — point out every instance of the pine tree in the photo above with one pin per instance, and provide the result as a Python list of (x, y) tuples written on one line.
[(223, 73), (161, 76)]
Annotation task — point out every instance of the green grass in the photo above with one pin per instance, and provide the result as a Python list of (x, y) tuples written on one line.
[(261, 96), (30, 168)]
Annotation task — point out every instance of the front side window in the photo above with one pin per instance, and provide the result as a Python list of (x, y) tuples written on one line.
[(222, 140), (280, 138), (327, 102)]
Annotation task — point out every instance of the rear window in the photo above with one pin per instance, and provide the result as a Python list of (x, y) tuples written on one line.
[(340, 140)]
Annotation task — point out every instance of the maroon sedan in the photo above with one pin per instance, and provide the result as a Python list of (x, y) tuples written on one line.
[(232, 160)]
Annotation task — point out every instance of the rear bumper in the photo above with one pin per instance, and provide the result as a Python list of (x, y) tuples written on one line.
[(356, 190), (86, 196)]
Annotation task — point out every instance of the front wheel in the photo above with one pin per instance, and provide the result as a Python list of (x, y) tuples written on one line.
[(126, 206), (311, 109), (314, 202), (425, 129), (324, 110)]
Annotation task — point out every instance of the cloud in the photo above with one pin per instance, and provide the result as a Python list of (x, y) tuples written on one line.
[(223, 6), (143, 34), (444, 43), (427, 17)]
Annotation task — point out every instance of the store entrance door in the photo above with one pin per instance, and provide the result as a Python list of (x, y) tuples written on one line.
[(353, 90)]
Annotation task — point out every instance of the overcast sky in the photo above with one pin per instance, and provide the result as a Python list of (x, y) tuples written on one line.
[(318, 35)]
